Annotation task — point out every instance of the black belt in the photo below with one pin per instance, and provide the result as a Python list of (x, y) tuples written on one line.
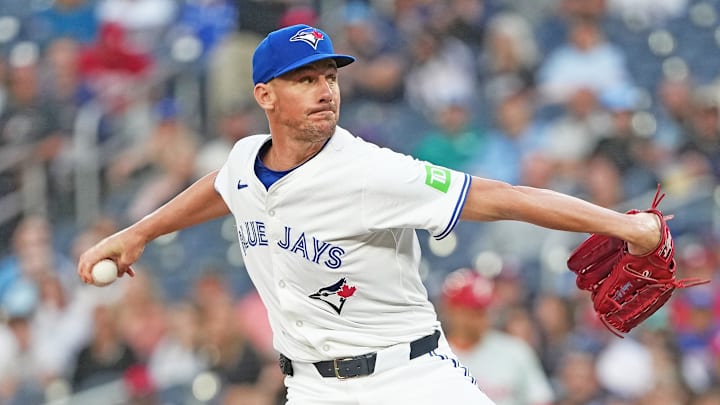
[(364, 364)]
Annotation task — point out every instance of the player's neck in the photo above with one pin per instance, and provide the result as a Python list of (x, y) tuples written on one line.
[(285, 154)]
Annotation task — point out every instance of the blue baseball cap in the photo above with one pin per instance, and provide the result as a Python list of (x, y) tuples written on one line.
[(290, 48)]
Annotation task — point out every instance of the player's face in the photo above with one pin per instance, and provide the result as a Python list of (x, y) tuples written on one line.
[(307, 100)]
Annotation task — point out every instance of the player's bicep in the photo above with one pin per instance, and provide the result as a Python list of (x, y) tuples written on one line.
[(488, 200)]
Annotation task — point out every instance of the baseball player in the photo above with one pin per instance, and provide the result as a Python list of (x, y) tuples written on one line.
[(326, 223)]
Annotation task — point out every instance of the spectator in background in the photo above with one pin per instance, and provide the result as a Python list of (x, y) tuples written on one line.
[(209, 21), (62, 324), (141, 316), (114, 71), (60, 79), (379, 76), (648, 12), (463, 19), (586, 60), (625, 147), (510, 57), (442, 68), (106, 357), (146, 21), (234, 123), (703, 139), (169, 152), (515, 137), (229, 352), (576, 380), (61, 85), (602, 182), (558, 331), (229, 73), (505, 367), (34, 256), (675, 116), (176, 360), (456, 141), (625, 369), (72, 19), (572, 136), (22, 375), (31, 122)]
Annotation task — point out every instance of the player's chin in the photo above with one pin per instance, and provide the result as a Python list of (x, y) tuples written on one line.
[(324, 128)]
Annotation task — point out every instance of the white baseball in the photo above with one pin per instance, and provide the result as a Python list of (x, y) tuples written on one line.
[(104, 272)]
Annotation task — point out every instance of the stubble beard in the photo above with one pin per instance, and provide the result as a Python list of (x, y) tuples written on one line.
[(313, 131)]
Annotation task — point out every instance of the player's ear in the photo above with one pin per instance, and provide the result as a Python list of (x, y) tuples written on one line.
[(264, 96)]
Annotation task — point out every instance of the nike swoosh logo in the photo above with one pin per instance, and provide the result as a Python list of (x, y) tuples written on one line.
[(241, 185)]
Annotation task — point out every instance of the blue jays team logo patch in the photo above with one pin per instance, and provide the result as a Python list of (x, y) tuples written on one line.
[(335, 295), (310, 36)]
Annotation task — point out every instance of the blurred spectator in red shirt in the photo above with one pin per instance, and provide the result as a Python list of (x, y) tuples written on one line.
[(114, 71)]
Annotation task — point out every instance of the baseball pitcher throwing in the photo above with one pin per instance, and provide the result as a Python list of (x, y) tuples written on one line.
[(326, 223)]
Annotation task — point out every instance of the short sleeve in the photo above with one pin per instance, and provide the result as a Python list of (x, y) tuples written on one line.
[(222, 181), (402, 192)]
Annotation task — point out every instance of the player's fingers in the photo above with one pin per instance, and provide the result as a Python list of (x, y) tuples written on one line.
[(130, 272), (85, 267), (668, 217)]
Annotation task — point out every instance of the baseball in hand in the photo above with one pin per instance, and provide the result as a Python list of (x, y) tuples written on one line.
[(104, 272)]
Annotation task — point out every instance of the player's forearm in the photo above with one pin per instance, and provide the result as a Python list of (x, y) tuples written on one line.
[(491, 201), (198, 203)]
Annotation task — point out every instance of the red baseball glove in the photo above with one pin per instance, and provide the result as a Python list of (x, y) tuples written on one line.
[(627, 289)]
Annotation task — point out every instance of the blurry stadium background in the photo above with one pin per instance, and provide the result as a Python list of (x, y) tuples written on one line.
[(110, 107)]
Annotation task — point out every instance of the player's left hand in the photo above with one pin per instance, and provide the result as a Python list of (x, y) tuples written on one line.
[(629, 282)]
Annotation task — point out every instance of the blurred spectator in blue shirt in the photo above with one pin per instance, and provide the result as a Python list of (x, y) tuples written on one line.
[(209, 21), (378, 76), (515, 137), (586, 60), (65, 18)]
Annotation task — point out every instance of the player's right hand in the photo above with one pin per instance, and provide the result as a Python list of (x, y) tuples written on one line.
[(124, 248)]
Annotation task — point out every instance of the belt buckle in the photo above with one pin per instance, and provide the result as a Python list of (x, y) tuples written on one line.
[(337, 369)]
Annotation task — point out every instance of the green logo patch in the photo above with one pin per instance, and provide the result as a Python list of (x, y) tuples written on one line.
[(437, 178)]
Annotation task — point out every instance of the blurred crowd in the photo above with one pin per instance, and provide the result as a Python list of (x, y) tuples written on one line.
[(108, 108)]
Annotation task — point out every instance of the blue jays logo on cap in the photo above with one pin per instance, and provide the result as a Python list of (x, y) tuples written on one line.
[(310, 36), (287, 49)]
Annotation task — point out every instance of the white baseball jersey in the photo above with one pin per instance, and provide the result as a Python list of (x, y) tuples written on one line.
[(331, 247)]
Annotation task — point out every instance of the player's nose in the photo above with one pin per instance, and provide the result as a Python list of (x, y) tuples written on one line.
[(324, 89)]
